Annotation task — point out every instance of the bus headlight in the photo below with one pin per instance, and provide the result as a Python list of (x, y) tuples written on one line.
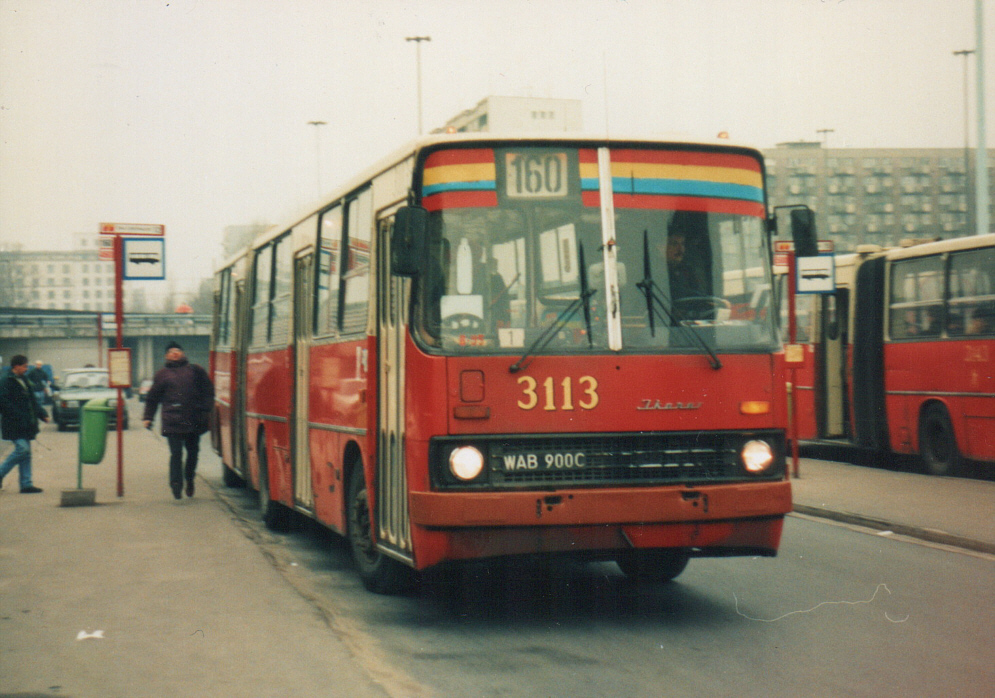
[(466, 462), (757, 456)]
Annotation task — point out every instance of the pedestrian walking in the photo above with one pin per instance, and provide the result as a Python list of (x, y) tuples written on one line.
[(187, 397), (39, 379), (19, 415)]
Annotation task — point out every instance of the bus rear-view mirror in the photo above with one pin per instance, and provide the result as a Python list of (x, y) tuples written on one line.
[(407, 242)]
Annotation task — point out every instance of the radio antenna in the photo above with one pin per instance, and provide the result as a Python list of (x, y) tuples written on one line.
[(604, 91)]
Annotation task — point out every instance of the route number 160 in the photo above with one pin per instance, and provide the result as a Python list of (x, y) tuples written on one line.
[(536, 174)]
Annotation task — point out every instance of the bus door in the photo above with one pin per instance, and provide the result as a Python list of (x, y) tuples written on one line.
[(303, 313), (831, 382), (393, 523), (240, 340)]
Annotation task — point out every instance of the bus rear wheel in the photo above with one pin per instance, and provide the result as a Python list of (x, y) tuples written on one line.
[(653, 565), (379, 573), (937, 443), (230, 478)]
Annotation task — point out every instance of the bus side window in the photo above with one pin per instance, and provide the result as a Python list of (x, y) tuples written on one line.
[(356, 272), (971, 307), (329, 246), (916, 298), (263, 272)]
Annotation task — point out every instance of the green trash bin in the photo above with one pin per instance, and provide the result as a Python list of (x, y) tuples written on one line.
[(93, 430)]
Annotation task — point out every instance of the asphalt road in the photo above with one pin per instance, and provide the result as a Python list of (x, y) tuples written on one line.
[(198, 598), (840, 612)]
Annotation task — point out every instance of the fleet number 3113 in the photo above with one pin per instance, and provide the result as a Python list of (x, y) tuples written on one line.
[(586, 391)]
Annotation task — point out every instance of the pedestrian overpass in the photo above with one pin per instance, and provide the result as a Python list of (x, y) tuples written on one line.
[(73, 339)]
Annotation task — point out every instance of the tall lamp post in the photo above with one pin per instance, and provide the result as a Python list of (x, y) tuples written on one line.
[(967, 146), (317, 152), (418, 40)]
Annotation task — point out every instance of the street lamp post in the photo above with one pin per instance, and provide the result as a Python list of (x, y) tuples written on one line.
[(967, 146), (317, 152), (824, 189), (418, 40)]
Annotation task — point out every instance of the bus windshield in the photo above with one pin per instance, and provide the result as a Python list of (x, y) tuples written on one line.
[(517, 259)]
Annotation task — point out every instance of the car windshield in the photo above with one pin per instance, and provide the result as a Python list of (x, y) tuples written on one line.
[(528, 261), (93, 379)]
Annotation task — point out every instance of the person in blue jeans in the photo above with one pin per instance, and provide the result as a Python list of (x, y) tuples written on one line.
[(19, 415)]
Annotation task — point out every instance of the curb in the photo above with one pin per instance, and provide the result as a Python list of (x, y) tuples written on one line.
[(930, 535)]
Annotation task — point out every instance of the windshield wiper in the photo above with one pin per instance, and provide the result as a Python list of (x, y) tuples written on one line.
[(563, 318), (585, 293), (655, 298)]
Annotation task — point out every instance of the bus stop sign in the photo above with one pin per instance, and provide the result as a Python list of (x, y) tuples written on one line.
[(816, 274)]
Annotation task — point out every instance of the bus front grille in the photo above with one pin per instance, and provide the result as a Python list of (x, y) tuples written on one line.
[(611, 459)]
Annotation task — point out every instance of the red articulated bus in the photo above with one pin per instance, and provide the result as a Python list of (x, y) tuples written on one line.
[(903, 353), (489, 347)]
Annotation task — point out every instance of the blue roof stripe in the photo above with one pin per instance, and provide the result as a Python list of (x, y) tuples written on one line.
[(687, 187), (480, 185)]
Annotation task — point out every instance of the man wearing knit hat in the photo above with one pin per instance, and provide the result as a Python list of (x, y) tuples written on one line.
[(187, 397)]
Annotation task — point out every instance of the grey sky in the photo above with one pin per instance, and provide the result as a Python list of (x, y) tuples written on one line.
[(193, 113)]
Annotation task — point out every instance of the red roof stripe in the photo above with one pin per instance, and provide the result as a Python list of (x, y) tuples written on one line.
[(460, 199), (460, 156)]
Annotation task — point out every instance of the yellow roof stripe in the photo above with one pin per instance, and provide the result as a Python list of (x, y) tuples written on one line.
[(474, 172)]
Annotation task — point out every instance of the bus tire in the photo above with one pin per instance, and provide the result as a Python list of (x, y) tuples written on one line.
[(230, 478), (274, 515), (937, 442), (653, 565), (379, 573)]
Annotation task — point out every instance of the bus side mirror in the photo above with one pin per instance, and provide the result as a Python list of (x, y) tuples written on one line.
[(800, 226), (803, 232), (407, 242)]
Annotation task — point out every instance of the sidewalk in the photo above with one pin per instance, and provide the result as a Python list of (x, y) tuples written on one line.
[(145, 595), (951, 511)]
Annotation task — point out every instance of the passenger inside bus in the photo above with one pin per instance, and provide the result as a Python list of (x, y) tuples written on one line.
[(982, 321)]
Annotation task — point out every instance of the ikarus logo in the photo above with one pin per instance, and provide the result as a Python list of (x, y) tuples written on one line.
[(650, 404)]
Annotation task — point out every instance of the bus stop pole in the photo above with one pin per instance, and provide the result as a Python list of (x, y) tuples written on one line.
[(119, 319), (792, 339)]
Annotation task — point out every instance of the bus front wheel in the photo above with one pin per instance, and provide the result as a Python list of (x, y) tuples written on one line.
[(653, 565), (379, 573), (937, 443)]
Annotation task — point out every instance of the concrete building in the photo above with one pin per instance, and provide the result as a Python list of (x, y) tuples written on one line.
[(519, 114), (877, 195), (74, 280)]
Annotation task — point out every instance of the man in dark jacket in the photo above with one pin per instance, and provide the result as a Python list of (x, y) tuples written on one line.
[(19, 415), (187, 397)]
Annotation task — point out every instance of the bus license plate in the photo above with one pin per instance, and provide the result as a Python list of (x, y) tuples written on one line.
[(543, 461)]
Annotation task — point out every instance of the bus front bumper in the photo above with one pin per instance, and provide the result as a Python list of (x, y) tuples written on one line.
[(713, 520)]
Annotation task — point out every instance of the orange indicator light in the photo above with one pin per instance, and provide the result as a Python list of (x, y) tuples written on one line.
[(754, 407)]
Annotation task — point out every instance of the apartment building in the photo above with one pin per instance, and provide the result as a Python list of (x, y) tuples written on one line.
[(73, 280), (877, 195)]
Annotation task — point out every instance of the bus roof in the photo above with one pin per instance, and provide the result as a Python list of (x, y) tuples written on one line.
[(411, 149), (940, 246)]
